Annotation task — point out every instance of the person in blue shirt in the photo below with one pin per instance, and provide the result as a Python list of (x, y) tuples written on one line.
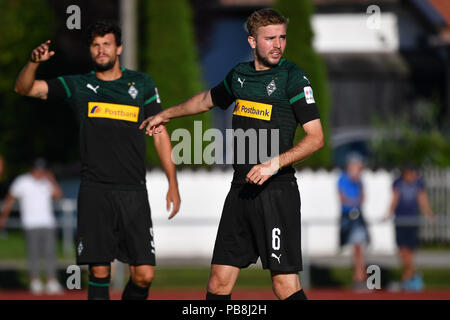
[(408, 201), (353, 229)]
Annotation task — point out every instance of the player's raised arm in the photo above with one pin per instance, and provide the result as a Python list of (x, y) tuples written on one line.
[(26, 83), (199, 103)]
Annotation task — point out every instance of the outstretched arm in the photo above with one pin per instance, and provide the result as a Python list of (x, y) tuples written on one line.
[(26, 83), (164, 148), (312, 142), (199, 103)]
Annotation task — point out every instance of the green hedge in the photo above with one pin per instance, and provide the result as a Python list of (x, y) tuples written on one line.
[(24, 24), (168, 53)]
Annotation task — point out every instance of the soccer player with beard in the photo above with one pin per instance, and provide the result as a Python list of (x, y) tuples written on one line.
[(114, 219), (261, 214)]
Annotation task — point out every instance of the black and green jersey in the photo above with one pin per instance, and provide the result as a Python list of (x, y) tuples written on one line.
[(277, 99), (111, 145)]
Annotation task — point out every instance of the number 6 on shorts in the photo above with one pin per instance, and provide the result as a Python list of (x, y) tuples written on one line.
[(276, 238)]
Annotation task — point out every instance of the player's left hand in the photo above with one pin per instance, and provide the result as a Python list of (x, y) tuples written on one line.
[(173, 200), (155, 124), (260, 173)]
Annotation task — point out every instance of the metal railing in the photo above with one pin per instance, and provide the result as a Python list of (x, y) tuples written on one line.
[(66, 222)]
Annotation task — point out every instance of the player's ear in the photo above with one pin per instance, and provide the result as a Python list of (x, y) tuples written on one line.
[(119, 50), (252, 42)]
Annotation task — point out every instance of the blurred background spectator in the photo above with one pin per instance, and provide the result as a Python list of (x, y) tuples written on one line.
[(353, 229), (408, 201), (35, 191)]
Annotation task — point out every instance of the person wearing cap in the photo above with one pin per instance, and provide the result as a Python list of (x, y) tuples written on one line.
[(35, 191), (353, 229)]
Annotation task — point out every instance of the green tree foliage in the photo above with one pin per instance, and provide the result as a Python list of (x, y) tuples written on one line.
[(405, 140), (168, 53), (23, 24), (299, 49)]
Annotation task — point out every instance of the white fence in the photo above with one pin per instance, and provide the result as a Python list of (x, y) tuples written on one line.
[(191, 234), (437, 183)]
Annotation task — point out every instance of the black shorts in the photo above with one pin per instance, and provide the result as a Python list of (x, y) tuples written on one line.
[(114, 222), (261, 221), (407, 237)]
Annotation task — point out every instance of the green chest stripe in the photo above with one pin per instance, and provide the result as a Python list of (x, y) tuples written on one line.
[(151, 99), (69, 94), (297, 97)]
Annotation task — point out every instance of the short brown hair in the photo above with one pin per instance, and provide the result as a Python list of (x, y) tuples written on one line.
[(101, 28), (262, 18)]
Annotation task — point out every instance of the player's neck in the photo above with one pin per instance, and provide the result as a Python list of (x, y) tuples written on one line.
[(110, 75), (259, 66)]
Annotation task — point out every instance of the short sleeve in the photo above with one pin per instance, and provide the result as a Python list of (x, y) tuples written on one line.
[(221, 94), (421, 184), (152, 103), (16, 188), (58, 89), (301, 97)]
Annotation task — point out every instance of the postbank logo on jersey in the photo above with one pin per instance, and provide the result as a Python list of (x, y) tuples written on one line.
[(251, 109), (113, 111)]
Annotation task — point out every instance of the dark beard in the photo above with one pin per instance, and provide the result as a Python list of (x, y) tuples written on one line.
[(265, 61), (103, 67)]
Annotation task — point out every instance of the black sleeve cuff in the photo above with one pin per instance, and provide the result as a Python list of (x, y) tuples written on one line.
[(221, 97), (56, 91), (305, 112), (152, 109)]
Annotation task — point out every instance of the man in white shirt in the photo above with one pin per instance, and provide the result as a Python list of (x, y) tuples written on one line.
[(35, 191)]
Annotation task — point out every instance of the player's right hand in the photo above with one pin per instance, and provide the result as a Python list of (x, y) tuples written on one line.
[(42, 53), (154, 124)]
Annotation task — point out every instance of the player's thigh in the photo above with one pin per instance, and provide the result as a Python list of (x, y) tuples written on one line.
[(234, 243), (137, 245), (279, 241), (96, 238)]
